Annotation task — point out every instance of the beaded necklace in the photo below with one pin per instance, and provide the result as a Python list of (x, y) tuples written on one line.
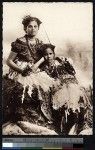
[(52, 69)]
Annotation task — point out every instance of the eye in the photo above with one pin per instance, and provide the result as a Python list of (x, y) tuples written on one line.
[(35, 26), (29, 26), (50, 53)]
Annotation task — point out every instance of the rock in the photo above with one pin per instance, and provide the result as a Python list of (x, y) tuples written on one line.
[(12, 129), (86, 132), (31, 128)]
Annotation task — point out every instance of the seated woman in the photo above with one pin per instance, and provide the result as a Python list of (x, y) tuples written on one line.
[(20, 85), (55, 84), (24, 53), (59, 88)]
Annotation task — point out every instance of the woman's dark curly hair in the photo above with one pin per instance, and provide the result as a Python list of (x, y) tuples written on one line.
[(27, 19), (45, 46)]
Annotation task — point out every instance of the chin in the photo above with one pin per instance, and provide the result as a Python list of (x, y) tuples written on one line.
[(50, 61), (31, 35)]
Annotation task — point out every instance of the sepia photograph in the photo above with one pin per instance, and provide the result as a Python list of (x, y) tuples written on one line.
[(47, 79)]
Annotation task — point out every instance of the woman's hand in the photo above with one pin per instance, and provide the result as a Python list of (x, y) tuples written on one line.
[(37, 64), (26, 71)]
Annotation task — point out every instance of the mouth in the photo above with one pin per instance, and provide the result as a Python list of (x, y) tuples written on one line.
[(32, 32), (50, 60)]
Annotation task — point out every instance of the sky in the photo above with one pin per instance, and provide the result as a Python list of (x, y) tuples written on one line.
[(61, 20)]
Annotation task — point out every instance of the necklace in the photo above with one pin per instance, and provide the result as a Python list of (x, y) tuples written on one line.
[(31, 47), (32, 42), (52, 70)]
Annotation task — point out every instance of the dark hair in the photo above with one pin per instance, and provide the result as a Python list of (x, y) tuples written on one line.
[(28, 19), (45, 46)]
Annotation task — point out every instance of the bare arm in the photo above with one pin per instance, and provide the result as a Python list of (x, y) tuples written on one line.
[(11, 64), (37, 64)]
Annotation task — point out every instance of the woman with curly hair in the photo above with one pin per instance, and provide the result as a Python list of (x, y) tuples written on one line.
[(25, 51), (60, 90), (39, 82)]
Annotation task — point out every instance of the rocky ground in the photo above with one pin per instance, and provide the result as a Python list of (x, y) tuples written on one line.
[(26, 128)]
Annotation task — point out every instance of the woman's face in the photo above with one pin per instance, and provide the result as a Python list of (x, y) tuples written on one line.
[(32, 29), (49, 55)]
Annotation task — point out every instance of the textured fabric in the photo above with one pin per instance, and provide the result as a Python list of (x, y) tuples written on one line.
[(26, 55), (25, 52), (44, 92)]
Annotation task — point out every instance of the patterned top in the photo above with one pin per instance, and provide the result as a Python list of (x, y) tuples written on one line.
[(26, 52), (58, 69)]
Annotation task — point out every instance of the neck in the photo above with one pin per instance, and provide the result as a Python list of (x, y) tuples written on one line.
[(51, 63), (32, 38)]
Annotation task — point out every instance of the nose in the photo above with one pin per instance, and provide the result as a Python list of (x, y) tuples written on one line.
[(48, 56), (33, 28)]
